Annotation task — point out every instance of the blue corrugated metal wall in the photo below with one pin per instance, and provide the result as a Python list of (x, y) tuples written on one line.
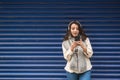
[(31, 34)]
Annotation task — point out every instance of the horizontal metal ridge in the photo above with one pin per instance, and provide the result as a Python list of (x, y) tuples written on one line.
[(30, 34), (54, 29), (62, 25), (105, 78), (102, 61), (107, 56), (108, 74), (27, 43), (34, 70), (105, 43), (32, 43), (106, 66), (31, 65), (29, 52), (32, 60), (25, 34), (62, 7), (102, 70), (107, 52), (61, 2), (59, 21), (30, 47), (57, 29), (57, 70), (18, 78), (58, 65), (32, 56), (54, 74), (50, 38), (57, 12), (54, 16)]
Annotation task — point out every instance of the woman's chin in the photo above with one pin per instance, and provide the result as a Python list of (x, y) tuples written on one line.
[(75, 35)]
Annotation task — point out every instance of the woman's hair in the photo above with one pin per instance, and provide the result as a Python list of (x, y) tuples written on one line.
[(81, 32)]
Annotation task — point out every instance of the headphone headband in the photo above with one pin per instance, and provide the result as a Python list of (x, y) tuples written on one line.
[(73, 22)]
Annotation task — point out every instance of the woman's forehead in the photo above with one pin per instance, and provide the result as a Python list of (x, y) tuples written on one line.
[(74, 25)]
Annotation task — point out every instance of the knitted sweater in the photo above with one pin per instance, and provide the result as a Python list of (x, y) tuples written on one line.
[(68, 54)]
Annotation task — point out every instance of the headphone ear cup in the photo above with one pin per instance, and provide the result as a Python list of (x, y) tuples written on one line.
[(69, 25)]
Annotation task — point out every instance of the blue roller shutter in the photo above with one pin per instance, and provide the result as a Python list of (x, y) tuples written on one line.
[(31, 34)]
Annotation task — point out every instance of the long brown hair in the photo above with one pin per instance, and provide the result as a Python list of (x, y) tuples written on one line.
[(81, 31)]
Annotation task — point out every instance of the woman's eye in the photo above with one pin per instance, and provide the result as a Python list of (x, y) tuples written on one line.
[(73, 28)]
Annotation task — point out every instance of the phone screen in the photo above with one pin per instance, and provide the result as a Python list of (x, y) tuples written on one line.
[(77, 38)]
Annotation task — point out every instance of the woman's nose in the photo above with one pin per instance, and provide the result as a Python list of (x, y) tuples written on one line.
[(75, 30)]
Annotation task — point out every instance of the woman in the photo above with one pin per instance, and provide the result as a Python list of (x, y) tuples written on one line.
[(77, 52)]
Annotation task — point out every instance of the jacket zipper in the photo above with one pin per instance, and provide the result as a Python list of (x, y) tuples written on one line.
[(76, 51)]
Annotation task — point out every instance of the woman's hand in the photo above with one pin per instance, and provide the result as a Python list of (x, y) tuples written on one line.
[(80, 43), (82, 46), (74, 44)]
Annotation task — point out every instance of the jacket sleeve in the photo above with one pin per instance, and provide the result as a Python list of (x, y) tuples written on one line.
[(66, 51), (89, 48)]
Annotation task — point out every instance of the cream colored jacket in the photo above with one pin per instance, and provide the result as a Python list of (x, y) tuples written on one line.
[(68, 54)]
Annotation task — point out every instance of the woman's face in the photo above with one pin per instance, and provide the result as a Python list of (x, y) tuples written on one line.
[(74, 30)]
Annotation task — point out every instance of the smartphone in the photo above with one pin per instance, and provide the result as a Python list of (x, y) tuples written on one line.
[(77, 38)]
